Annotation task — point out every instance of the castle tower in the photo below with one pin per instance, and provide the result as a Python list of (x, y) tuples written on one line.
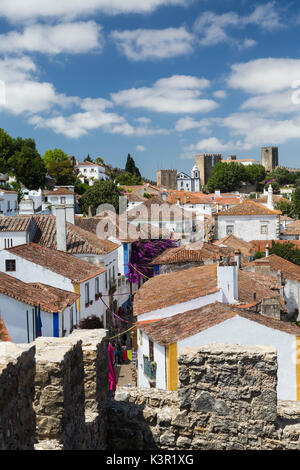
[(205, 163), (269, 158), (167, 178)]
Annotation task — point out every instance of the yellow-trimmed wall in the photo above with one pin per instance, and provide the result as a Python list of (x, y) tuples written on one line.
[(76, 287), (298, 366), (172, 367)]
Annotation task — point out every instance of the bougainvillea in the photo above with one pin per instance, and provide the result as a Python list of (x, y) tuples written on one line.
[(142, 253)]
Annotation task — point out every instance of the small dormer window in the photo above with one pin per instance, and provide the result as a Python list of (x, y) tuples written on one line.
[(10, 265)]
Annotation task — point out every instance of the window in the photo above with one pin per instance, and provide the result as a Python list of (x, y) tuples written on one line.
[(114, 274), (97, 285), (87, 293), (151, 351), (229, 229), (63, 200), (8, 206), (71, 320), (106, 280), (10, 265), (263, 229)]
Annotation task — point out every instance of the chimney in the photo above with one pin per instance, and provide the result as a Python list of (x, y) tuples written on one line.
[(270, 198), (228, 281), (280, 278), (238, 258), (267, 251), (70, 214), (61, 228), (164, 196), (217, 193)]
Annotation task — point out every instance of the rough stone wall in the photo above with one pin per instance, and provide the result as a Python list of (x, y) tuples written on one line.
[(17, 417), (53, 393), (227, 400), (94, 346)]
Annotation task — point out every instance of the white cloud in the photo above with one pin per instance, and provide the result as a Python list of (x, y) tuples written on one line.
[(72, 38), (176, 94), (273, 103), (221, 94), (188, 123), (266, 75), (213, 29), (212, 144), (20, 10), (24, 94), (140, 148), (144, 44), (79, 124)]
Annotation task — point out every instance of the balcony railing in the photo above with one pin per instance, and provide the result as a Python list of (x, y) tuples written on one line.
[(150, 369)]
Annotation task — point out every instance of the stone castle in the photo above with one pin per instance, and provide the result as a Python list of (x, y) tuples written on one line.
[(53, 395)]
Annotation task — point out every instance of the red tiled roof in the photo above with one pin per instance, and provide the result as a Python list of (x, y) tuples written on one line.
[(276, 263), (177, 287), (246, 248), (15, 223), (49, 298), (79, 241), (59, 262), (183, 254), (59, 191), (249, 208), (184, 325)]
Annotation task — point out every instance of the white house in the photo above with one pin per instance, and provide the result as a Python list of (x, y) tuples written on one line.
[(160, 343), (33, 309), (8, 202), (35, 195), (91, 172), (35, 263), (249, 221), (59, 196)]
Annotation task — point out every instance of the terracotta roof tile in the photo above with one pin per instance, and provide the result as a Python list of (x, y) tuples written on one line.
[(276, 263), (79, 241), (262, 244), (49, 298), (246, 248), (59, 262), (248, 208), (177, 287), (59, 191), (15, 223), (170, 289), (183, 254)]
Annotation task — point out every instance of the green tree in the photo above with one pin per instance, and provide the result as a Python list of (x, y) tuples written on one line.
[(287, 251), (255, 174), (99, 161), (285, 207), (56, 155), (27, 165), (88, 159), (62, 172), (227, 177), (128, 179), (81, 188), (102, 192), (6, 150), (131, 167), (296, 203)]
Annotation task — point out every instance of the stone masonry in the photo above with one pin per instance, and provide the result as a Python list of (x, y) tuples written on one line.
[(226, 400), (53, 395)]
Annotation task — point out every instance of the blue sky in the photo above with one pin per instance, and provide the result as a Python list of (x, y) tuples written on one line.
[(162, 80)]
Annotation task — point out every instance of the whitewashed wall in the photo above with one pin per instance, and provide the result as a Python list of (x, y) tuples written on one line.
[(239, 330), (249, 228)]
